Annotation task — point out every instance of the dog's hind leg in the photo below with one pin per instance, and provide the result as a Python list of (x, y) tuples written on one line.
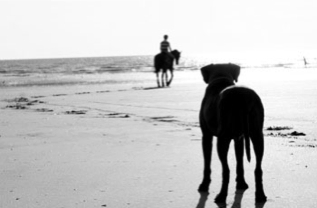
[(239, 147), (256, 133), (223, 147), (258, 144), (207, 149)]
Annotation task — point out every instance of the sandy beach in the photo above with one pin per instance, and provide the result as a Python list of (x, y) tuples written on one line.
[(135, 145)]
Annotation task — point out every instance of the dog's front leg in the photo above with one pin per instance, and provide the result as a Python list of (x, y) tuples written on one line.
[(223, 148), (207, 149)]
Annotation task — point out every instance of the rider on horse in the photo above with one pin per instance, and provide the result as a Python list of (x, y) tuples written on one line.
[(166, 48), (165, 45), (164, 61)]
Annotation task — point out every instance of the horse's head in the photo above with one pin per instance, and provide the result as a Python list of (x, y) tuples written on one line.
[(177, 55)]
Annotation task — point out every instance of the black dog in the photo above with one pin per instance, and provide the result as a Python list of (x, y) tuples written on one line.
[(231, 112)]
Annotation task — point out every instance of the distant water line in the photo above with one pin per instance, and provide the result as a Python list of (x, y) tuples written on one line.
[(111, 70)]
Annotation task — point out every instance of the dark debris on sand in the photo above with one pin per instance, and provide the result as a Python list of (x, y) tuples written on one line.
[(284, 134), (295, 133), (278, 128), (22, 103)]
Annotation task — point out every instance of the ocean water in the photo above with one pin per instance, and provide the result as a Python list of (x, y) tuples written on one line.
[(103, 70)]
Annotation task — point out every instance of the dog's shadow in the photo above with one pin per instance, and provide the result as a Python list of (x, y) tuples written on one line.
[(236, 204)]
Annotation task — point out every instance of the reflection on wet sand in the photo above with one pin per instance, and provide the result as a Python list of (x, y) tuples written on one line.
[(202, 200), (236, 204)]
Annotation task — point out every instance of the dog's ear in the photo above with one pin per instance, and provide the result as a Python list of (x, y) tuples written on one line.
[(205, 71), (234, 71)]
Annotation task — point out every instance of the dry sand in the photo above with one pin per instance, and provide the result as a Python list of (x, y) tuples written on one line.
[(132, 145)]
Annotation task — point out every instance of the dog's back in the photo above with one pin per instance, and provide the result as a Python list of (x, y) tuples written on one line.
[(237, 107)]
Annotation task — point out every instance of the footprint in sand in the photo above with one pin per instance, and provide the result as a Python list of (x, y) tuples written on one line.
[(56, 95), (44, 110), (39, 96), (104, 91), (118, 115), (76, 112), (165, 119), (82, 93)]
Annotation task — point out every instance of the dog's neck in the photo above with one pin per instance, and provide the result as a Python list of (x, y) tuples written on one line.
[(217, 85)]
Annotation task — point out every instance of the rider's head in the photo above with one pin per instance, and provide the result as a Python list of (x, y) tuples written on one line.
[(165, 37)]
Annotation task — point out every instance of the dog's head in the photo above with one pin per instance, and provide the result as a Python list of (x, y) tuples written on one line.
[(214, 71)]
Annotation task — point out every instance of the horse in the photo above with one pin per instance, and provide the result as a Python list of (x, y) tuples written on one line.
[(164, 62)]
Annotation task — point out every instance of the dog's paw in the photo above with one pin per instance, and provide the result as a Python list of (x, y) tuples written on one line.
[(260, 197), (204, 186), (242, 185), (221, 198)]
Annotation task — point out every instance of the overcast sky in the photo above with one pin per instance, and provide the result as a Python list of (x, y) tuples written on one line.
[(69, 28)]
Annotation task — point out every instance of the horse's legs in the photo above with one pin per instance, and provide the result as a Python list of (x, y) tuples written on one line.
[(207, 149), (238, 145), (258, 144), (171, 79), (158, 79), (166, 80), (162, 79), (223, 147)]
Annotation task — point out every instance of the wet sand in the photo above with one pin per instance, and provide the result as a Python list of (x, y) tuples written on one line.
[(135, 145)]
